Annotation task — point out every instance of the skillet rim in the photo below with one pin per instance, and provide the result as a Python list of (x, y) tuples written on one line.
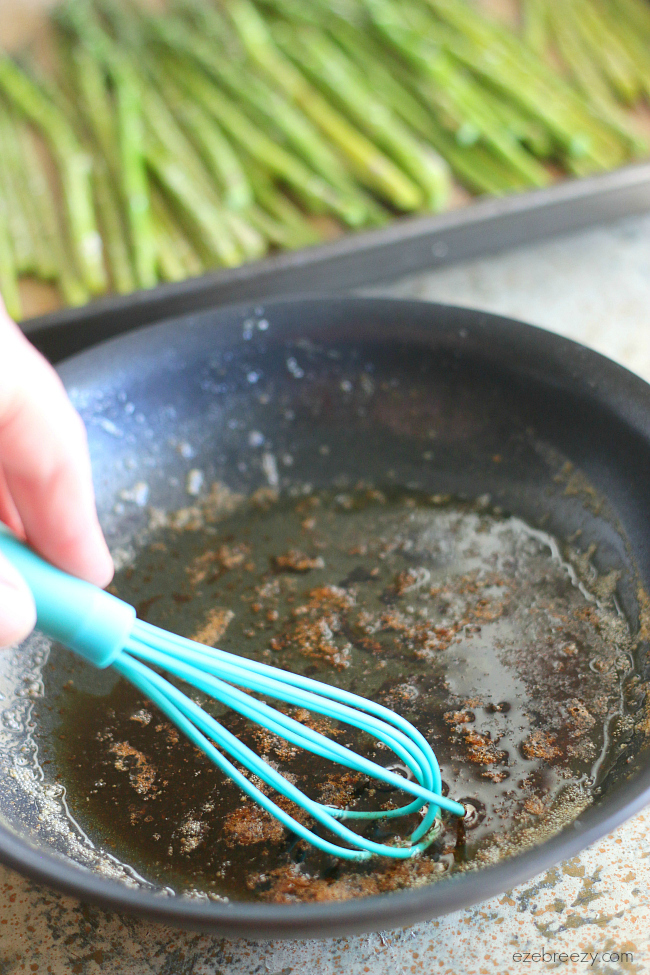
[(614, 387)]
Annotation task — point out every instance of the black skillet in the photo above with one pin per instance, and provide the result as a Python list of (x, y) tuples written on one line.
[(509, 405)]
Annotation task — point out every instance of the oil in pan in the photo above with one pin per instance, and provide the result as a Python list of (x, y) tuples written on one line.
[(505, 648)]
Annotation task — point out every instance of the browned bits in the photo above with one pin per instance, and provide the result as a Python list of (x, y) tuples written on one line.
[(421, 637), (339, 789), (307, 504), (481, 749), (211, 564), (316, 722), (458, 717), (582, 718), (540, 744), (404, 581), (271, 744), (317, 638), (295, 561), (486, 611), (214, 627), (317, 629), (142, 775), (142, 716), (192, 833), (290, 884), (264, 498), (534, 806), (251, 824)]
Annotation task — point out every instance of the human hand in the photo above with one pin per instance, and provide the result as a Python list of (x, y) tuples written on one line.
[(46, 491)]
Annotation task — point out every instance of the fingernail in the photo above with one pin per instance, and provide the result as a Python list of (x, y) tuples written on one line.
[(17, 609), (102, 569)]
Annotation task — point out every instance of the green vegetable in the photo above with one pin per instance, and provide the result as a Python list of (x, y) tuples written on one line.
[(74, 169), (8, 267), (371, 166), (329, 67), (117, 252)]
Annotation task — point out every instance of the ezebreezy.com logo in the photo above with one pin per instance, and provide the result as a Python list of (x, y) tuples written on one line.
[(581, 957)]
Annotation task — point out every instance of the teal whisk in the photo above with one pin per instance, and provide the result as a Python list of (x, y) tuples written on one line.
[(104, 630)]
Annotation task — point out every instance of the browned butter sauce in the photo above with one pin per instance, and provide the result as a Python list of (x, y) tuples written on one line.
[(502, 647)]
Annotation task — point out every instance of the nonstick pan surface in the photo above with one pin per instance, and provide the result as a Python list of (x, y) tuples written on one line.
[(371, 378)]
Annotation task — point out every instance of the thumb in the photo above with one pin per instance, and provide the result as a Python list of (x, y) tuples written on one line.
[(17, 609)]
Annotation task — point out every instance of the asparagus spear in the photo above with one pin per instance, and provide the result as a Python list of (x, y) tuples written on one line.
[(135, 183), (242, 237), (45, 266), (299, 232), (316, 192), (462, 98), (93, 100), (266, 107), (589, 77), (637, 13), (636, 44), (216, 151), (127, 123), (229, 238), (86, 101), (530, 132), (352, 208), (329, 67), (262, 105), (199, 210), (8, 269), (349, 27), (249, 237), (15, 213), (535, 24), (51, 232), (492, 52), (42, 216), (108, 209), (74, 167), (607, 50), (474, 166), (177, 259), (372, 167), (170, 266)]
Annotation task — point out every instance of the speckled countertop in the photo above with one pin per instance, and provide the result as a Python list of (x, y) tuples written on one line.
[(593, 287)]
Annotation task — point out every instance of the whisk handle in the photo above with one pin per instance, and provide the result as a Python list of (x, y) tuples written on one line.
[(86, 619)]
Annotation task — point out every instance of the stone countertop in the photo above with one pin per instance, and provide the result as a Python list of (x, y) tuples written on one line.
[(593, 287)]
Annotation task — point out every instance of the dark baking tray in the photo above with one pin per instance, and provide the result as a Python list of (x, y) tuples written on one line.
[(406, 246)]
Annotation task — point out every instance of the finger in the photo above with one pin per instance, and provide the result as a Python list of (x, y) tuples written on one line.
[(44, 456), (8, 511), (17, 610)]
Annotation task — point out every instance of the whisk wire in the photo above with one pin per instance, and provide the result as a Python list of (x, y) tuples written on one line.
[(234, 668), (161, 697), (228, 665), (193, 722), (294, 731)]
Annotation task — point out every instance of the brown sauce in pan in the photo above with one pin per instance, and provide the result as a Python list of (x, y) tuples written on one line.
[(503, 648)]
